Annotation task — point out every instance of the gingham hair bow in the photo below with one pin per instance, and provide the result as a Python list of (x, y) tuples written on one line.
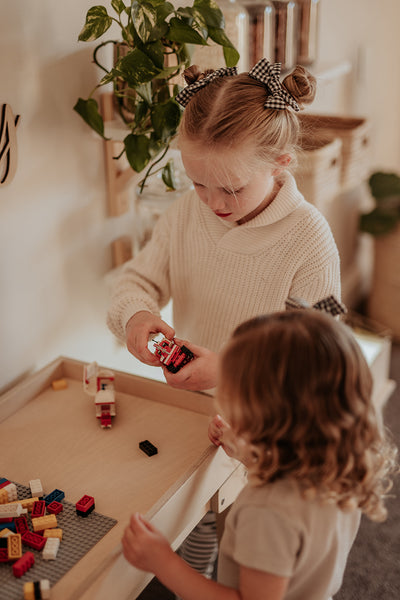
[(268, 74), (190, 90), (328, 304)]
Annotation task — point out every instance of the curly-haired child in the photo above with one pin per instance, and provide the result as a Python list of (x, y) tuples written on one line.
[(294, 393)]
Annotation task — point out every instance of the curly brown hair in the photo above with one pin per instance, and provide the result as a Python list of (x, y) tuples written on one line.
[(297, 387)]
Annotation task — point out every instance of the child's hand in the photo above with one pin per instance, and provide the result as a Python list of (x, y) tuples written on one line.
[(199, 374), (216, 429), (144, 546), (139, 329)]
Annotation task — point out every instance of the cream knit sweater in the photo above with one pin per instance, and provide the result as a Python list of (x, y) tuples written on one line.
[(220, 274)]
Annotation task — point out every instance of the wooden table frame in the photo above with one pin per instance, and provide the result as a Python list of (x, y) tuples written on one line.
[(32, 416)]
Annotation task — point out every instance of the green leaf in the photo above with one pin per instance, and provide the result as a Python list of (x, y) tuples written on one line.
[(137, 151), (146, 22), (384, 184), (230, 53), (155, 51), (118, 6), (165, 119), (163, 10), (183, 33), (231, 56), (168, 175), (89, 111), (211, 13), (136, 68), (97, 23), (144, 92), (377, 222)]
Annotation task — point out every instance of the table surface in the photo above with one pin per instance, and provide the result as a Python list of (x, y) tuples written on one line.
[(54, 436)]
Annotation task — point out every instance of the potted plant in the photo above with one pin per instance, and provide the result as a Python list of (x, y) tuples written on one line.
[(154, 48), (383, 223)]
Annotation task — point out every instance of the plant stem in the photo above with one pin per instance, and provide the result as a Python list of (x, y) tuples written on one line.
[(97, 49), (141, 183)]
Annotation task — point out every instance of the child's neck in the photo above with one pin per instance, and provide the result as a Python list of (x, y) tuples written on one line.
[(263, 205)]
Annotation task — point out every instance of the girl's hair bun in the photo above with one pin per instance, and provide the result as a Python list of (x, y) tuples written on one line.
[(301, 85), (193, 74)]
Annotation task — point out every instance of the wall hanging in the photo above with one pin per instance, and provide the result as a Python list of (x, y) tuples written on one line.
[(8, 144)]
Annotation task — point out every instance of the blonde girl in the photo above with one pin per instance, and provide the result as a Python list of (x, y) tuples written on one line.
[(244, 238), (295, 397)]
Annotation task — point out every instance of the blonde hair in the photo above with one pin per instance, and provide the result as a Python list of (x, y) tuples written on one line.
[(296, 386), (230, 110)]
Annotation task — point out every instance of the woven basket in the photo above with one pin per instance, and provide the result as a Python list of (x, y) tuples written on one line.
[(384, 299), (318, 169), (355, 135)]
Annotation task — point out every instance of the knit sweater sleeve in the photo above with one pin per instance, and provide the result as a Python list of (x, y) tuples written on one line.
[(144, 281), (319, 273)]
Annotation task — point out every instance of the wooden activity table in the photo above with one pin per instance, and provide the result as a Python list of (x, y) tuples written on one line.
[(54, 436)]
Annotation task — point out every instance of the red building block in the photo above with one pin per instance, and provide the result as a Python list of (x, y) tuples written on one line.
[(3, 555), (54, 507), (38, 509), (21, 525), (84, 506), (23, 564), (33, 540)]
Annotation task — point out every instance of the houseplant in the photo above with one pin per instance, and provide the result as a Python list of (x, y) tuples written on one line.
[(383, 218), (383, 223), (154, 48)]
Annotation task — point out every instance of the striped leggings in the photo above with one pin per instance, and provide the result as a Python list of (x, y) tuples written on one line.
[(200, 548)]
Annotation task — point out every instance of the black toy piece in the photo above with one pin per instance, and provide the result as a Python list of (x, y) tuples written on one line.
[(148, 448)]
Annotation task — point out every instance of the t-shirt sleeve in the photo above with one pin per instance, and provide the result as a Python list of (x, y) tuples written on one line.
[(266, 541)]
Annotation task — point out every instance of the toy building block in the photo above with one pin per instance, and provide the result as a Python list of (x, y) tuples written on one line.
[(42, 523), (59, 384), (55, 507), (21, 525), (36, 488), (37, 590), (56, 495), (148, 448), (85, 506), (8, 512), (14, 546), (24, 563), (9, 525), (39, 509), (53, 533), (26, 503), (8, 491), (172, 356), (33, 540), (51, 548), (4, 533), (3, 555)]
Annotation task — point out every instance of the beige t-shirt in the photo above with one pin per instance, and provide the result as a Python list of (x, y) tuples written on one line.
[(273, 529)]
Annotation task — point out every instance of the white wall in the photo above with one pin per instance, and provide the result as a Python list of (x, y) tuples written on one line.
[(54, 232)]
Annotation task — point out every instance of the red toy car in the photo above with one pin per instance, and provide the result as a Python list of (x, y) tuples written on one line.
[(172, 356)]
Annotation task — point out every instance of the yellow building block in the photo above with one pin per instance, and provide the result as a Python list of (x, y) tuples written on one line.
[(44, 589), (54, 533), (26, 502), (6, 532), (14, 546), (3, 496), (59, 384), (46, 522)]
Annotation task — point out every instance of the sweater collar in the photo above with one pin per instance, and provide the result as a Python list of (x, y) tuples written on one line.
[(285, 202)]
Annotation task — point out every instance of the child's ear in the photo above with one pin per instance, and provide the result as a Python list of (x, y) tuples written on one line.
[(282, 163)]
